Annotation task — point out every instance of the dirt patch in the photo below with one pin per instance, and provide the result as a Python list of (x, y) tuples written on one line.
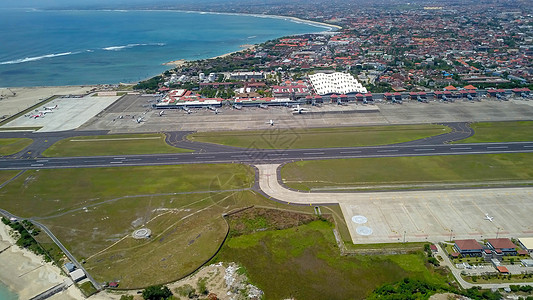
[(260, 219)]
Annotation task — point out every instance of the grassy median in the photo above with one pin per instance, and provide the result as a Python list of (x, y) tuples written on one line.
[(288, 138), (489, 132), (117, 144), (409, 172), (5, 175), (14, 145)]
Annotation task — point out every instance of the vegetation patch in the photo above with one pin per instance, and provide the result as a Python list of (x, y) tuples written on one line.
[(304, 261), (117, 144), (288, 138), (26, 232), (410, 172), (260, 219), (14, 145), (87, 288), (489, 132)]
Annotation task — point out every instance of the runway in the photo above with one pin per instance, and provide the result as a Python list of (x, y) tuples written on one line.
[(259, 156)]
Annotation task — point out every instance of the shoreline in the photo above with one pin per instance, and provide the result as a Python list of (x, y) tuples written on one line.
[(27, 274)]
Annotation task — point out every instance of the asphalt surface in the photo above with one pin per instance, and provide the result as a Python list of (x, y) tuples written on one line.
[(30, 158)]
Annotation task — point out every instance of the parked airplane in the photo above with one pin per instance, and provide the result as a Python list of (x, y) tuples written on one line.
[(139, 120), (271, 122), (37, 116), (237, 106), (161, 113), (470, 97), (299, 109), (44, 112), (263, 106), (50, 107), (489, 218)]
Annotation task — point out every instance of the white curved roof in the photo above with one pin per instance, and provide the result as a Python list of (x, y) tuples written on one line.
[(335, 83)]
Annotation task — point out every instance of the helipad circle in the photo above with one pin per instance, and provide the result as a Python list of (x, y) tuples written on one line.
[(142, 233), (359, 219), (363, 230)]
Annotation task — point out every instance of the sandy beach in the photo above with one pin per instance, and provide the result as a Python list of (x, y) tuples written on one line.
[(16, 99), (26, 273)]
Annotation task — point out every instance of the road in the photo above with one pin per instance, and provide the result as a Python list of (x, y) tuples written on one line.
[(466, 285), (71, 257)]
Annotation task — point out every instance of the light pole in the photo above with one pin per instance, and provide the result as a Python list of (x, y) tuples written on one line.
[(498, 232), (404, 236), (451, 233)]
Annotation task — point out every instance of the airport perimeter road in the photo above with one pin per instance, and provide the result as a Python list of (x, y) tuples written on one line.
[(67, 253), (418, 216), (258, 156)]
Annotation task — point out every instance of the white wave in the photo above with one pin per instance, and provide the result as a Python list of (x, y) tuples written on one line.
[(35, 58), (118, 48)]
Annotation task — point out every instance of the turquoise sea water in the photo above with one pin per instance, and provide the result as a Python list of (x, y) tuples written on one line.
[(5, 293), (41, 48)]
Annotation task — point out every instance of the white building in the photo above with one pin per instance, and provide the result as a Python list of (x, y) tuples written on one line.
[(336, 83)]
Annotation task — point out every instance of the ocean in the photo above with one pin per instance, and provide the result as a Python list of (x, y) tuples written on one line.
[(76, 47), (6, 294)]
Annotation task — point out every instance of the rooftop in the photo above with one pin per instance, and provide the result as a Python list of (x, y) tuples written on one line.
[(468, 244), (502, 243)]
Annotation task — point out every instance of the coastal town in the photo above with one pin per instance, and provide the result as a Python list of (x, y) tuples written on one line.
[(412, 50), (387, 157)]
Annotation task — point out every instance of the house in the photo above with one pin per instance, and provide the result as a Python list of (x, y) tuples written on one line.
[(113, 284), (468, 247), (502, 245)]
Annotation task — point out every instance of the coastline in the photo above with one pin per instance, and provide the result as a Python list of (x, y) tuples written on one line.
[(26, 273)]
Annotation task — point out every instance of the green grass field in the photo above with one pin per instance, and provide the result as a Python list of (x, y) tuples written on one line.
[(95, 211), (303, 263), (409, 172), (5, 175), (116, 144), (12, 146), (487, 132), (282, 138)]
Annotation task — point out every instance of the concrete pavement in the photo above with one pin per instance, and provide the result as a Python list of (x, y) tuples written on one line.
[(417, 216)]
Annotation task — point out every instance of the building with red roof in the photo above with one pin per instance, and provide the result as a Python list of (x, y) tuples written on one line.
[(505, 245), (468, 247)]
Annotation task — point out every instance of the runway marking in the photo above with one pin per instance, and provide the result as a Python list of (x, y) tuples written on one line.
[(498, 147), (43, 160), (117, 139), (393, 150), (277, 154), (119, 158), (204, 157), (424, 149), (312, 153), (350, 152), (242, 155), (37, 165), (462, 148), (115, 162), (528, 146)]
